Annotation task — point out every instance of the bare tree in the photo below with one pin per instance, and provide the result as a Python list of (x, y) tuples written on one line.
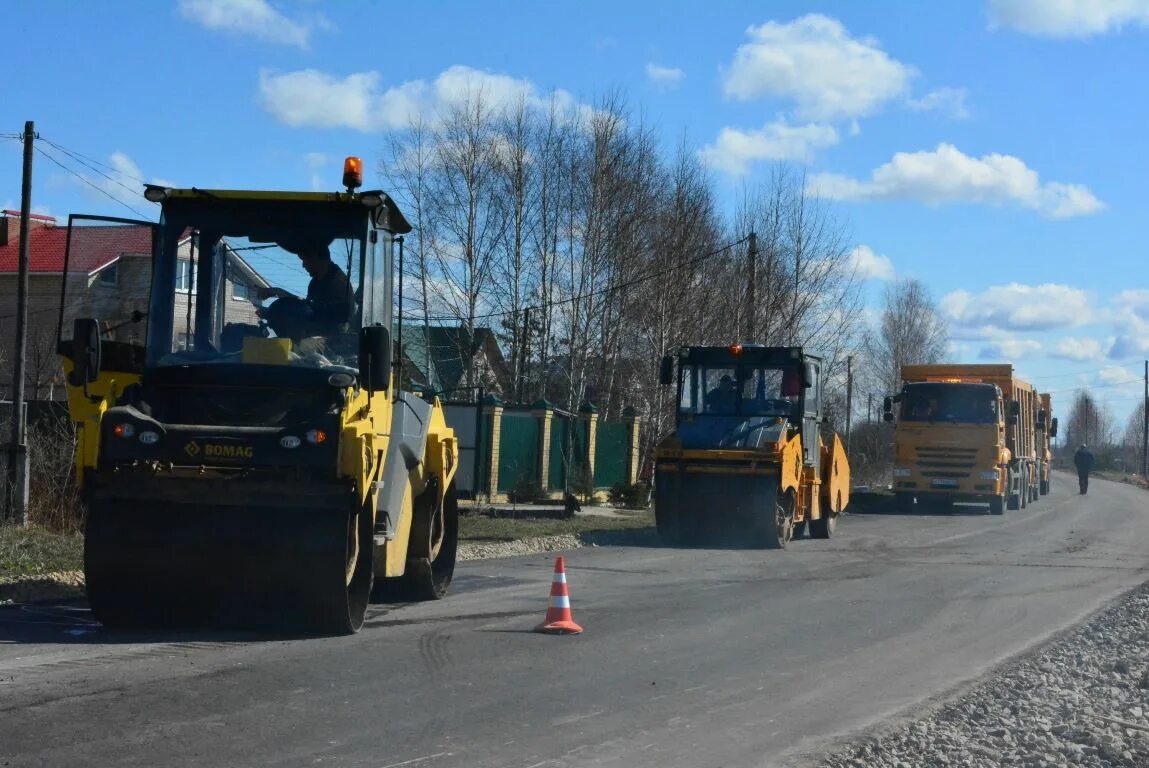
[(1089, 423), (910, 331)]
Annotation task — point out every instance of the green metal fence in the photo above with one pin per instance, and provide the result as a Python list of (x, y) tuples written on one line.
[(610, 453), (518, 450)]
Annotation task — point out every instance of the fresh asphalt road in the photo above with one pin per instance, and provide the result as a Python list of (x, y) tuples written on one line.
[(690, 658)]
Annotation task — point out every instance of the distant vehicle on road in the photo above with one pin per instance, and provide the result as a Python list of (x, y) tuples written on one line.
[(746, 463)]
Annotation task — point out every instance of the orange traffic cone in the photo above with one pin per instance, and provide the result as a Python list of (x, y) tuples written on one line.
[(559, 620)]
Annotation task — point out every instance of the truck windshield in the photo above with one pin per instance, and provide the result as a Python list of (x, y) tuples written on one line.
[(955, 403), (741, 390)]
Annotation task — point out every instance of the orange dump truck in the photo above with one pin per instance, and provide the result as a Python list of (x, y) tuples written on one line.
[(965, 433), (1046, 431)]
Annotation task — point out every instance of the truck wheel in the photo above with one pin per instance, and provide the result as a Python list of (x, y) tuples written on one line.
[(1044, 488), (1013, 499), (823, 528), (997, 505), (800, 529)]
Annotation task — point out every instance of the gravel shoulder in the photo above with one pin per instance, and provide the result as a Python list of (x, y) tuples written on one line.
[(1081, 699)]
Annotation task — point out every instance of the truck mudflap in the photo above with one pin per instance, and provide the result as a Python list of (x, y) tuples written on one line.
[(734, 509), (247, 560)]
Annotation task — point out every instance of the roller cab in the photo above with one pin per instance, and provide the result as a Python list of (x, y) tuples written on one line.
[(746, 464), (244, 453)]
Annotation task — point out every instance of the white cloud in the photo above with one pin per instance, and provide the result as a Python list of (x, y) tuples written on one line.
[(1131, 319), (949, 101), (312, 98), (664, 76), (256, 18), (1113, 375), (734, 149), (1017, 307), (1068, 18), (1071, 348), (815, 62), (946, 175), (869, 265), (1010, 349)]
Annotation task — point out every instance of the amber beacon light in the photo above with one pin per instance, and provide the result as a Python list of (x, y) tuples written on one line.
[(352, 173)]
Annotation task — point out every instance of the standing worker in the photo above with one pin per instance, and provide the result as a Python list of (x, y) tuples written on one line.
[(1083, 460)]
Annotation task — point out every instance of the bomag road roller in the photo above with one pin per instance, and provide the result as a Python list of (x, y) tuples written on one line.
[(244, 463), (746, 464)]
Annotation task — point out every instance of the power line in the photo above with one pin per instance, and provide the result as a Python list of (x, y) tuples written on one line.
[(77, 155), (91, 184), (1077, 373), (91, 167)]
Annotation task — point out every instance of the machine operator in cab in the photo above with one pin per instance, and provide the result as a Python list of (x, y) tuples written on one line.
[(327, 307)]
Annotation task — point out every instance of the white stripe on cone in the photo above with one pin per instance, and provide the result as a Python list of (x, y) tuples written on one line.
[(560, 578), (561, 601)]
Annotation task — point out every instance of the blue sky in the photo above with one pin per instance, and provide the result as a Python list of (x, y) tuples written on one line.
[(992, 149)]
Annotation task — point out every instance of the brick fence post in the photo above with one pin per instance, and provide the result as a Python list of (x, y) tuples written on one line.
[(588, 413), (545, 413), (493, 410), (633, 423)]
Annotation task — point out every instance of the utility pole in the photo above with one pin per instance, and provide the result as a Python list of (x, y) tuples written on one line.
[(751, 299), (869, 407), (849, 398), (1145, 427), (17, 485)]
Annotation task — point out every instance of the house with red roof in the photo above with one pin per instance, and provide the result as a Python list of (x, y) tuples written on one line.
[(106, 275)]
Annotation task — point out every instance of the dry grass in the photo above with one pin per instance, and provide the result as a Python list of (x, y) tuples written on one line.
[(34, 551), (477, 528)]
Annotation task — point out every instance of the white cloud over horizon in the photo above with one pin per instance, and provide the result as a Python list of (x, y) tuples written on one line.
[(948, 101), (1078, 349), (814, 61), (869, 265), (947, 175), (1068, 18), (735, 150), (360, 101), (1017, 307), (254, 18), (1131, 320), (667, 77)]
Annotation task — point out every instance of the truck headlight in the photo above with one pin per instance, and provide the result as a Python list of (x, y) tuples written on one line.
[(902, 471), (989, 475)]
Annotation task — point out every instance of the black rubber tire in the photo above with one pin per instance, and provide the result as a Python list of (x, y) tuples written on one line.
[(799, 530), (1043, 489), (997, 505), (823, 527), (1013, 500), (776, 533)]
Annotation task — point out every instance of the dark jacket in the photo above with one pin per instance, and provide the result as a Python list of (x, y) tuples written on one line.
[(1083, 460), (330, 297)]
